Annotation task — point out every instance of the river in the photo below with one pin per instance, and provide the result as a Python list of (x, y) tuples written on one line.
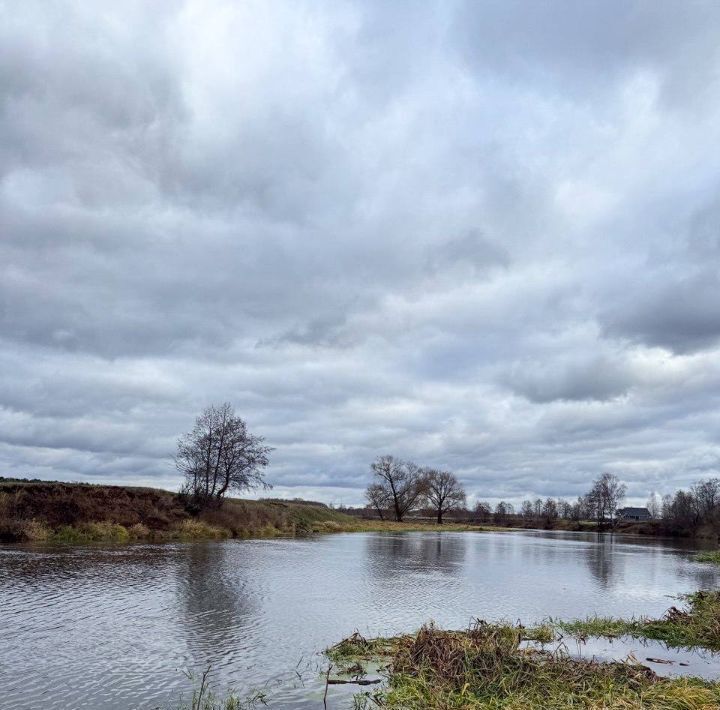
[(120, 627)]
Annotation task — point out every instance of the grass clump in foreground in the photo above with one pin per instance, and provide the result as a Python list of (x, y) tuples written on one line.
[(489, 667), (696, 625)]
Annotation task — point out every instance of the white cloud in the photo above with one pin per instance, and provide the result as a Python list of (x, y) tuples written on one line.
[(481, 236)]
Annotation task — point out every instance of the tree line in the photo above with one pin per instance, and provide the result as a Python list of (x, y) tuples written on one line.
[(401, 487), (687, 511), (220, 455)]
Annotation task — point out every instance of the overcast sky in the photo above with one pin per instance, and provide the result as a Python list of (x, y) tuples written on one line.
[(481, 235)]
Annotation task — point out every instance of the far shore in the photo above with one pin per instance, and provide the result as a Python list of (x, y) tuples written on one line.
[(80, 513), (36, 511)]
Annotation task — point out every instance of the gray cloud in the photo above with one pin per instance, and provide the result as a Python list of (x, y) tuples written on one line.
[(483, 236)]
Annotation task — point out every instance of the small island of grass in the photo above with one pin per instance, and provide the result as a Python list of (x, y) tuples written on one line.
[(494, 666)]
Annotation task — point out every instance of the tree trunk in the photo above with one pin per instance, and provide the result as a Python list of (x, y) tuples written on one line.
[(439, 520)]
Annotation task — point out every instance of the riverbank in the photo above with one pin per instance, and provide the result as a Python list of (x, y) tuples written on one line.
[(492, 666), (69, 512), (79, 513)]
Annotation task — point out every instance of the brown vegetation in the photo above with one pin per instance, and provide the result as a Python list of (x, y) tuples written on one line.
[(493, 666), (82, 512)]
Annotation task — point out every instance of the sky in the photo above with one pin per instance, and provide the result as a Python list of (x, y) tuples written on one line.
[(484, 236)]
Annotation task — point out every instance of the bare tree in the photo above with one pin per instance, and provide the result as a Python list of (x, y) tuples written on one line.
[(502, 511), (565, 509), (483, 511), (527, 511), (707, 498), (377, 497), (538, 507), (549, 512), (443, 492), (605, 497), (219, 455), (402, 481), (654, 506)]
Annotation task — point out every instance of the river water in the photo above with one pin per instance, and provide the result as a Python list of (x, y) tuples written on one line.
[(122, 627)]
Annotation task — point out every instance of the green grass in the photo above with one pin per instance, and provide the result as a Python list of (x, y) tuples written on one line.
[(712, 556), (489, 668), (696, 625), (362, 525)]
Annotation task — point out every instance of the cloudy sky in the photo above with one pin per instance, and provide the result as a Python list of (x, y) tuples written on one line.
[(482, 235)]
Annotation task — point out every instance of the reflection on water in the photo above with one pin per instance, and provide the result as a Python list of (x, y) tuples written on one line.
[(216, 605), (399, 555), (117, 627)]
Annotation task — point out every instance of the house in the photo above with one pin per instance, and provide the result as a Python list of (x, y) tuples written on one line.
[(635, 514)]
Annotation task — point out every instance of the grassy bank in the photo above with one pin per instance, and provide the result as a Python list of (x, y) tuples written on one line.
[(491, 667), (362, 525), (79, 513), (66, 512)]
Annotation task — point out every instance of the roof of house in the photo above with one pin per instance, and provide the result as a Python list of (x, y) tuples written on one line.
[(634, 511)]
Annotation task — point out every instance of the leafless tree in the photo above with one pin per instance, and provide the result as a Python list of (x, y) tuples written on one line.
[(502, 511), (707, 498), (377, 497), (402, 481), (483, 511), (654, 506), (605, 498), (549, 512), (219, 455), (565, 509), (443, 492), (527, 511), (538, 507)]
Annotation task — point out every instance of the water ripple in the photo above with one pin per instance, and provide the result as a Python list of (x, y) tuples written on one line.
[(118, 627)]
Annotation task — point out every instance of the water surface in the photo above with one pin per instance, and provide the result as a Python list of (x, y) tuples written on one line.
[(119, 627)]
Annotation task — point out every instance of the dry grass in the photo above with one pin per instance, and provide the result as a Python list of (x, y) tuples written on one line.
[(79, 513), (66, 512), (489, 668)]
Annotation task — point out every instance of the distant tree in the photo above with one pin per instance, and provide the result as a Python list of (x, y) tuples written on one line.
[(220, 455), (443, 492), (707, 499), (379, 498), (605, 498), (527, 511), (483, 511), (686, 511), (583, 509), (654, 506), (538, 507), (565, 509), (503, 511), (549, 512), (681, 512), (402, 481)]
